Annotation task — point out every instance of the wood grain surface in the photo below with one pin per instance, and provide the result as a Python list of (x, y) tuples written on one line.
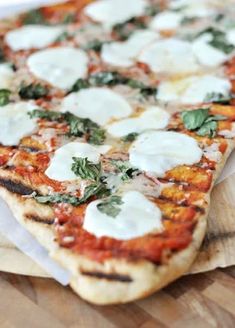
[(200, 300)]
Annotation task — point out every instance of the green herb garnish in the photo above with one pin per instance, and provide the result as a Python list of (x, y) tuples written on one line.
[(201, 121), (46, 115), (219, 40), (33, 91), (110, 206), (112, 79), (130, 137), (78, 127), (218, 98), (125, 169), (63, 37), (69, 18), (4, 97), (58, 198), (98, 190), (34, 17), (124, 30), (95, 45), (85, 169), (2, 57)]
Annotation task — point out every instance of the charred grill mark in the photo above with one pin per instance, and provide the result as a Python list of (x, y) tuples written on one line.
[(15, 187), (108, 276), (31, 149), (36, 218)]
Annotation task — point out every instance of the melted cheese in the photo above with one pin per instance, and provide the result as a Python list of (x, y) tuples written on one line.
[(189, 8), (60, 66), (159, 151), (124, 53), (166, 20), (170, 56), (98, 104), (112, 12), (206, 54), (61, 163), (153, 118), (212, 152), (192, 90), (6, 76), (15, 122), (32, 36), (138, 217), (231, 36)]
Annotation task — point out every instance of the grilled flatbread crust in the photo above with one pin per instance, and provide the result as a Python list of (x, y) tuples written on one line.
[(113, 281)]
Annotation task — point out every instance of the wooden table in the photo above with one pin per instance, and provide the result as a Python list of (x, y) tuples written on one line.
[(201, 300)]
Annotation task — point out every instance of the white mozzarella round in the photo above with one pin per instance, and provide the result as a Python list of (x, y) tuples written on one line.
[(98, 104), (153, 118), (138, 217), (15, 122), (206, 54), (112, 12), (166, 20), (189, 8), (171, 56), (192, 90), (60, 167), (6, 76), (124, 53), (32, 37), (60, 66), (231, 36), (157, 152)]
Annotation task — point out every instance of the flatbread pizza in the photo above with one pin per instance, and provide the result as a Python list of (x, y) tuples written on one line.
[(116, 119)]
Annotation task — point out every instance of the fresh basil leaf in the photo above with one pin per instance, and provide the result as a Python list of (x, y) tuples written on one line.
[(78, 127), (97, 136), (152, 10), (4, 97), (79, 85), (95, 45), (194, 119), (69, 18), (219, 40), (218, 98), (63, 37), (110, 206), (58, 198), (124, 30), (34, 17), (96, 189), (126, 170), (215, 118), (130, 137), (2, 57), (33, 91), (46, 115), (85, 169), (188, 20), (208, 129), (107, 78)]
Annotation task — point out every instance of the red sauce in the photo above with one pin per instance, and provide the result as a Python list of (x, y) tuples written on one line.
[(153, 247)]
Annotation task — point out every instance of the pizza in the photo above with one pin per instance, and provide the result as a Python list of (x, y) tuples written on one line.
[(116, 118)]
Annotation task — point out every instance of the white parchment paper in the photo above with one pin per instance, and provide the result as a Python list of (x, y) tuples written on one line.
[(22, 239)]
